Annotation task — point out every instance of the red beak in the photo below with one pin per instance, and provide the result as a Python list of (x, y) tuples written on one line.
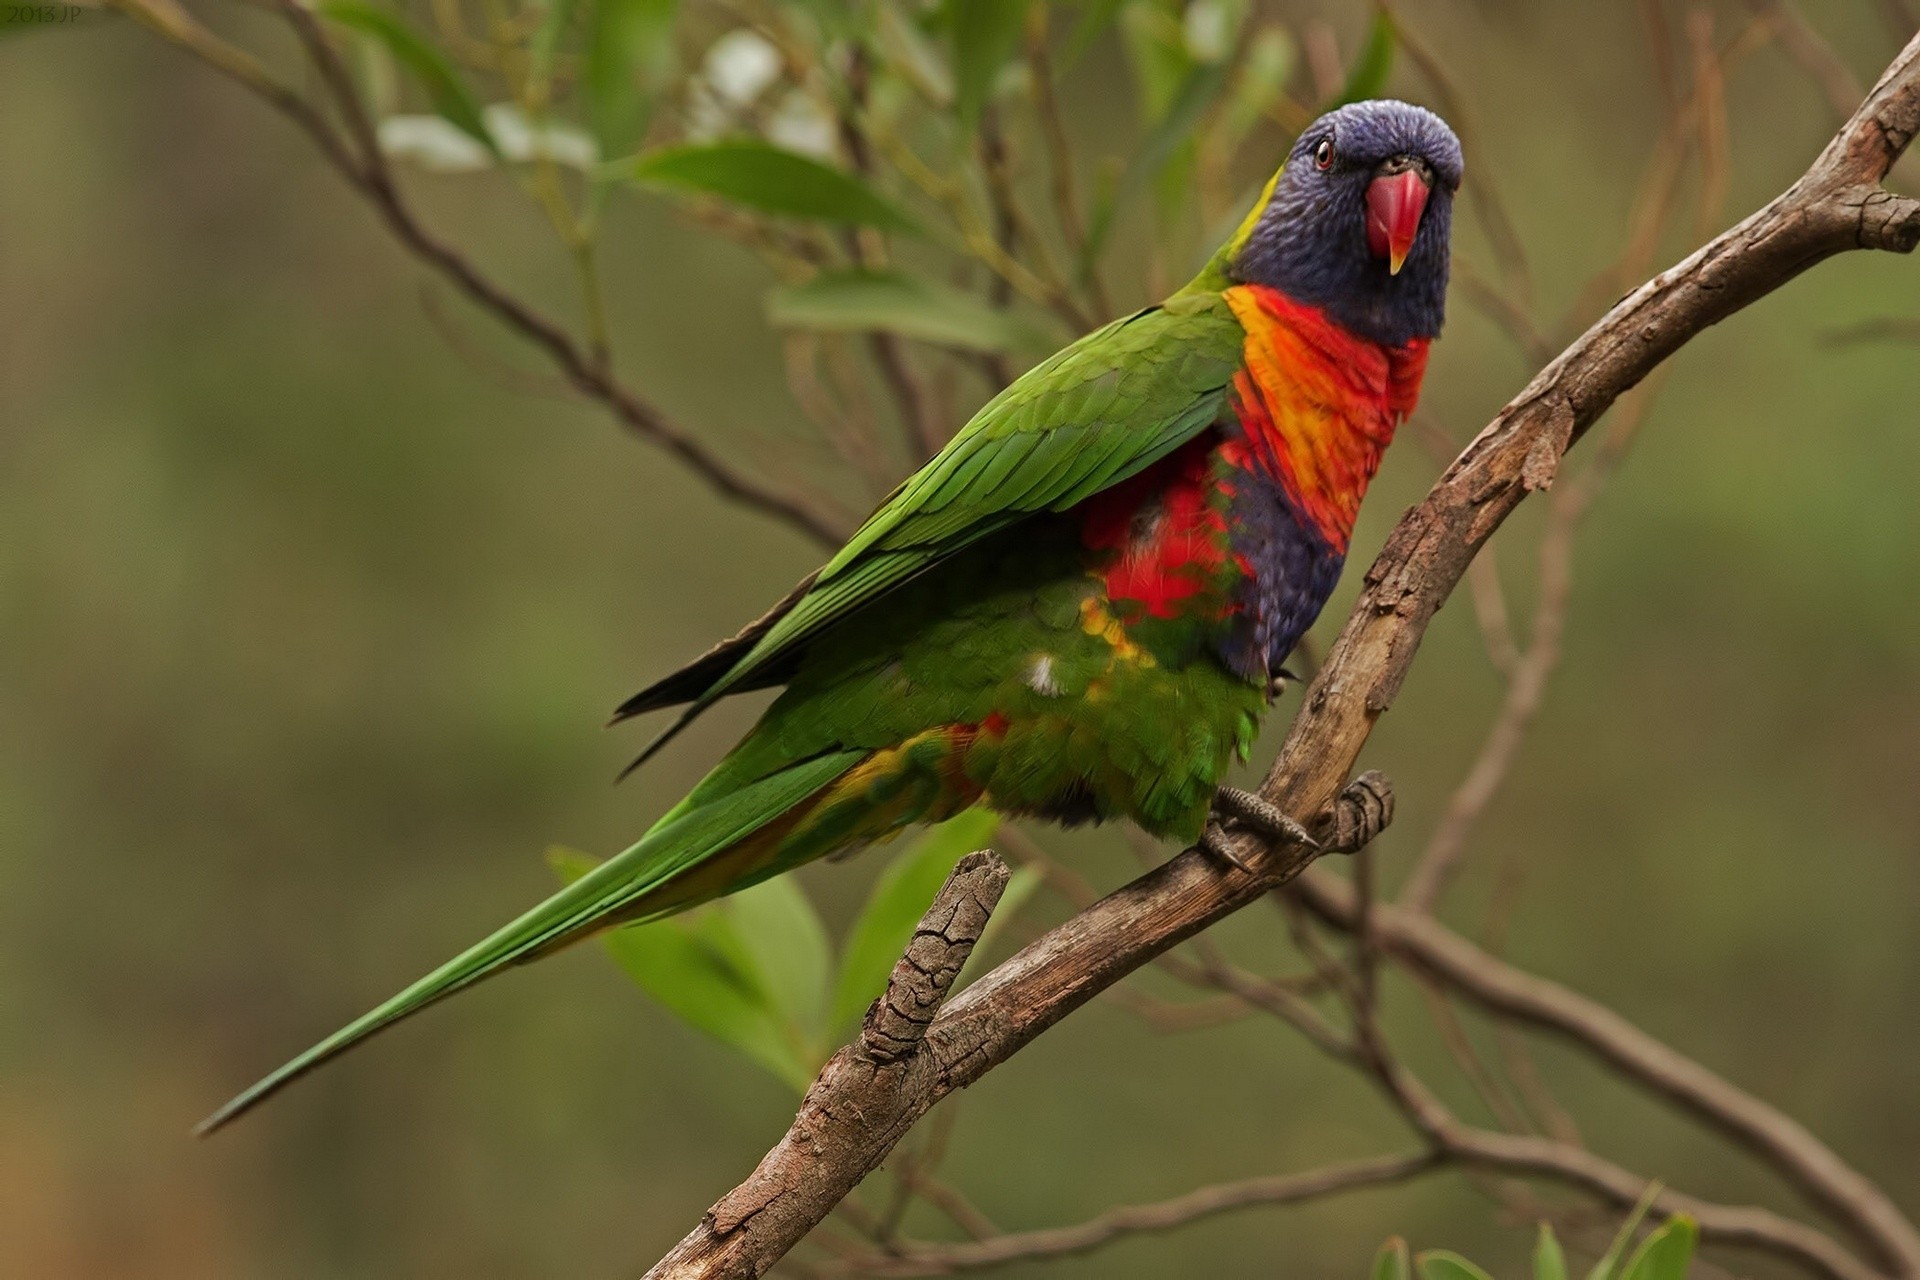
[(1394, 206)]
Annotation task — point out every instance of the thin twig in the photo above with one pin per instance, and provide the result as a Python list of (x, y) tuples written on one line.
[(1165, 1215)]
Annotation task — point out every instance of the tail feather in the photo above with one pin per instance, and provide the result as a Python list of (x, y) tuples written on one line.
[(618, 887)]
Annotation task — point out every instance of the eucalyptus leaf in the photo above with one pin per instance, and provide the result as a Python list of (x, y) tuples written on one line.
[(1438, 1264), (782, 933), (427, 65), (1549, 1263), (698, 968), (899, 898), (629, 51), (1666, 1254), (766, 178), (985, 34), (1608, 1268), (862, 300), (1392, 1262)]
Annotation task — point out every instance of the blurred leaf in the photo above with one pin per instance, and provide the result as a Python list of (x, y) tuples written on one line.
[(1367, 77), (863, 300), (1665, 1254), (1438, 1264), (1392, 1263), (697, 967), (432, 143), (1608, 1268), (546, 41), (1210, 28), (1095, 17), (427, 64), (763, 177), (1263, 75), (899, 898), (1549, 1263), (629, 51), (523, 140), (788, 946), (1157, 53), (1175, 129), (907, 47), (984, 34)]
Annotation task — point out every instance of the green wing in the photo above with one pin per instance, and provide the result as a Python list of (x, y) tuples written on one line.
[(1097, 412)]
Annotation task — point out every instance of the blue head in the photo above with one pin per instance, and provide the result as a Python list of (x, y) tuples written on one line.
[(1360, 220)]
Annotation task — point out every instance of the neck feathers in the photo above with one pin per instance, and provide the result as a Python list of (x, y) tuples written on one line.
[(1318, 404)]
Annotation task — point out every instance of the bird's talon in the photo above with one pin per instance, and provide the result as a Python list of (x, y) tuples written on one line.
[(1215, 840), (1261, 815)]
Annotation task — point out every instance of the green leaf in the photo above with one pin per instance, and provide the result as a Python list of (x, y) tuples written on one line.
[(1549, 1263), (984, 33), (435, 74), (1438, 1264), (1367, 77), (899, 898), (629, 52), (1391, 1263), (1665, 1254), (862, 301), (1262, 77), (546, 41), (765, 177), (1095, 17), (788, 946), (698, 967), (1609, 1266)]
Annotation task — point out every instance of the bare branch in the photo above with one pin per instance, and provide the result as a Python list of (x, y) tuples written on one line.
[(1512, 993), (1165, 1215)]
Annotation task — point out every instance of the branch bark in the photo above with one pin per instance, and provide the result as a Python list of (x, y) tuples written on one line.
[(1836, 206), (862, 1103)]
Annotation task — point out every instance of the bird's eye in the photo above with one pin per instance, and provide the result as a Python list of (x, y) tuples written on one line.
[(1323, 154)]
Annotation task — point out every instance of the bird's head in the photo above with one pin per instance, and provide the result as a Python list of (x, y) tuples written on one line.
[(1358, 220)]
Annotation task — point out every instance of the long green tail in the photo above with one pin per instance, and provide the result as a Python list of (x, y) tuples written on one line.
[(679, 843)]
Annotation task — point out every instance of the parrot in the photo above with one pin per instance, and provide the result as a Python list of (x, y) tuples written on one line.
[(1079, 608)]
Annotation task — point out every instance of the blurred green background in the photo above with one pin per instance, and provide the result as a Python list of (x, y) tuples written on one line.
[(307, 629)]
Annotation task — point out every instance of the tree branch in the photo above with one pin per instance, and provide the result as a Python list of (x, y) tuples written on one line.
[(1836, 206), (862, 1103), (920, 1259), (1512, 993), (365, 168)]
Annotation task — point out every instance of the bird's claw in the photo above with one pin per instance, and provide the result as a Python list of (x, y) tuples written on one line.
[(1363, 810), (1234, 807)]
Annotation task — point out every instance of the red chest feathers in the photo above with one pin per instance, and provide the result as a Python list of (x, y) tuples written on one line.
[(1317, 405)]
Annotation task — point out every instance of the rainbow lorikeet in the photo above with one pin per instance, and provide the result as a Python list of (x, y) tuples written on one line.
[(1076, 610)]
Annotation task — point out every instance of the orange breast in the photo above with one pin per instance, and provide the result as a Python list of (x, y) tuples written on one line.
[(1318, 405)]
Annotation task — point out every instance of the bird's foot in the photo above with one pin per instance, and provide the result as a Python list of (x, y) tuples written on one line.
[(1233, 807), (1363, 810)]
